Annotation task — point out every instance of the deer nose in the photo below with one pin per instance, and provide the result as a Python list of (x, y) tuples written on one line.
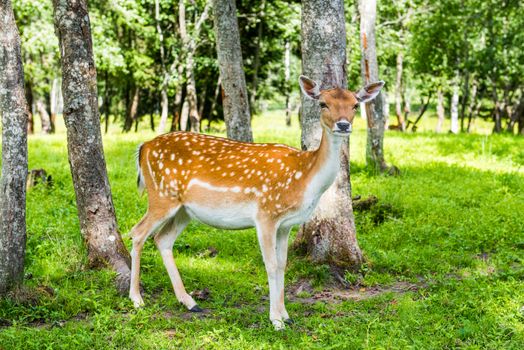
[(344, 126)]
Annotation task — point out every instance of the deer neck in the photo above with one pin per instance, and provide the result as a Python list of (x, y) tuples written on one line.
[(326, 162)]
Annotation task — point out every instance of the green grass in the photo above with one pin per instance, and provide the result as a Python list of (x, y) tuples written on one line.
[(452, 224)]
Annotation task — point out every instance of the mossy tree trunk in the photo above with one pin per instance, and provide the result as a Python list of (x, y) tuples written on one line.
[(84, 141), (234, 92), (330, 236), (14, 111)]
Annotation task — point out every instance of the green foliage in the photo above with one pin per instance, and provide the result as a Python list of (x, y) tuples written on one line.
[(455, 230)]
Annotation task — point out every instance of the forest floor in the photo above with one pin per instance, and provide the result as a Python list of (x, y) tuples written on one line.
[(444, 249)]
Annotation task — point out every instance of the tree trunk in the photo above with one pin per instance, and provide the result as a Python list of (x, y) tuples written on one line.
[(330, 235), (440, 110), (454, 109), (256, 64), (398, 93), (287, 60), (464, 102), (214, 103), (132, 110), (107, 101), (496, 111), (184, 116), (53, 103), (190, 45), (30, 118), (84, 140), (177, 108), (234, 93), (165, 82), (471, 105), (374, 109), (516, 115), (44, 116), (13, 107)]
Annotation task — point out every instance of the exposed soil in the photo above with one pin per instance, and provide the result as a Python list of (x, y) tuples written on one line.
[(303, 292)]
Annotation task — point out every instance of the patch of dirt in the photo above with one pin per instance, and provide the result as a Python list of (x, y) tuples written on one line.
[(188, 315), (303, 292)]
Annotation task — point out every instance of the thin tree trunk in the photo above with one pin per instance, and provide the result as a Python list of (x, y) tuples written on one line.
[(53, 105), (398, 93), (516, 115), (464, 102), (454, 110), (107, 101), (256, 64), (13, 107), (330, 236), (214, 103), (287, 61), (44, 116), (471, 105), (496, 111), (423, 109), (132, 110), (184, 116), (165, 81), (374, 109), (234, 93), (86, 156), (440, 110), (30, 118), (177, 108)]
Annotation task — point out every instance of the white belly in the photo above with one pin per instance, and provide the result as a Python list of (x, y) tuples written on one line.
[(230, 217)]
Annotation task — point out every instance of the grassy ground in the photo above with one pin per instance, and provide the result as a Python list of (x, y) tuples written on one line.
[(444, 257)]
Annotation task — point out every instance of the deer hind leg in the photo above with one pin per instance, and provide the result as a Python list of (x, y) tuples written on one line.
[(281, 250), (266, 234), (164, 241), (145, 227)]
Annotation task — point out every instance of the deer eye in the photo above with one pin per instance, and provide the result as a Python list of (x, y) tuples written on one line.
[(355, 107), (323, 105)]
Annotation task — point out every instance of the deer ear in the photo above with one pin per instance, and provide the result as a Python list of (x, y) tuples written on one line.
[(369, 92), (309, 87)]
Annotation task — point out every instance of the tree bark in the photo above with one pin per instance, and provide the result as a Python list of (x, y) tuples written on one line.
[(84, 141), (44, 116), (54, 102), (330, 236), (454, 109), (177, 108), (374, 109), (440, 110), (398, 93), (464, 102), (132, 110), (30, 116), (471, 104), (256, 64), (107, 101), (165, 81), (234, 93), (13, 107), (287, 61), (496, 111)]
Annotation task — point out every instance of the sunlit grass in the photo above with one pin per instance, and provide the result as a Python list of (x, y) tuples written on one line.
[(452, 221)]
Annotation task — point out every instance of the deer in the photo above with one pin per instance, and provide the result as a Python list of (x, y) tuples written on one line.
[(232, 185)]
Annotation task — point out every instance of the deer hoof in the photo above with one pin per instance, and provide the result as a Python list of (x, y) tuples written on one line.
[(289, 321), (196, 308)]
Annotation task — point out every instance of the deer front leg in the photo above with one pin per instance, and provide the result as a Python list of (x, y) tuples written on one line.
[(266, 233), (281, 249)]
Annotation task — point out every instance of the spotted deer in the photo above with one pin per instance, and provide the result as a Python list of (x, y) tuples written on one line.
[(235, 185)]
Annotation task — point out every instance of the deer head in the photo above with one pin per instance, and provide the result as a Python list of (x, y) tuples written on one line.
[(338, 106)]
